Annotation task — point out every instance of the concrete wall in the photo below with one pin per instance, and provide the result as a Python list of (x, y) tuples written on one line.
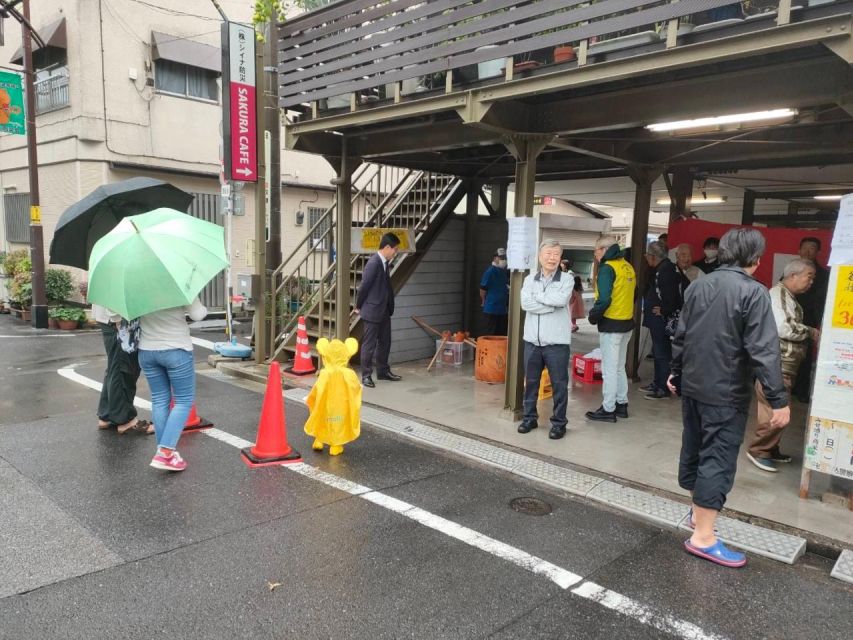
[(433, 292)]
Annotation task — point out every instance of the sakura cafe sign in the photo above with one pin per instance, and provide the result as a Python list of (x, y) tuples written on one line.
[(239, 105)]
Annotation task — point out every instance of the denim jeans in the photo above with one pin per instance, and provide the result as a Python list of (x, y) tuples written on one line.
[(661, 350), (614, 351), (170, 372), (556, 359)]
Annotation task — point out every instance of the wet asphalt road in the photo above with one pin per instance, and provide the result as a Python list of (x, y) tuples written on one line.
[(95, 544)]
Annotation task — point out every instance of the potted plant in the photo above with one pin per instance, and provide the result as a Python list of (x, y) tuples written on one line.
[(83, 288), (564, 53), (68, 318), (57, 286)]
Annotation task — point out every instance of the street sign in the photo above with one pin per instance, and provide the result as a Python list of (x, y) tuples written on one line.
[(239, 102), (12, 112)]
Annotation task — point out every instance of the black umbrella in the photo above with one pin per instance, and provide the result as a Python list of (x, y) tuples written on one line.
[(84, 223)]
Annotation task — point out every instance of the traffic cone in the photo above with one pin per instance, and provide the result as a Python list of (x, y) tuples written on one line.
[(303, 365), (194, 421), (271, 445)]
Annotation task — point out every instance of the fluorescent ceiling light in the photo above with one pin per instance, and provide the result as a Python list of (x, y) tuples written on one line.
[(697, 201), (827, 197), (734, 118)]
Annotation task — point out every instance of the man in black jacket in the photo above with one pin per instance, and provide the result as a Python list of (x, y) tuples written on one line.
[(375, 304), (661, 302), (812, 302), (726, 338)]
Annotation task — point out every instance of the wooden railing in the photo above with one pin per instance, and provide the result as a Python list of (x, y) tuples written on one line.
[(354, 48)]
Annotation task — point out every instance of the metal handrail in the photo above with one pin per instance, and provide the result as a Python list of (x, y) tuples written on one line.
[(384, 211)]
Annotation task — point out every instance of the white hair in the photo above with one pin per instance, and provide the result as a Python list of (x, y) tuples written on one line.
[(796, 266), (548, 243), (684, 245), (605, 242)]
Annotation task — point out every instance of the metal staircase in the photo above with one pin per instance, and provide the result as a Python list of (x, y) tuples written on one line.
[(383, 197)]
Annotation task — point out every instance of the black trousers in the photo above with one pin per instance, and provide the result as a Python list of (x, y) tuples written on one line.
[(495, 324), (803, 382), (119, 388), (661, 350), (375, 347), (710, 443), (555, 358)]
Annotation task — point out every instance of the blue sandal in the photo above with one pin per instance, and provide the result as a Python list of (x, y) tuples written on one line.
[(718, 553)]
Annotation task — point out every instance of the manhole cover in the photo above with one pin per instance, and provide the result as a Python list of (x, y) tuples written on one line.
[(530, 506)]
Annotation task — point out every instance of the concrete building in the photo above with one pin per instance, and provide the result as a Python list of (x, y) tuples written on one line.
[(127, 88)]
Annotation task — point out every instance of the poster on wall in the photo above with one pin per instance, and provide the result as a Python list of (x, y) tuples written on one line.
[(522, 245), (367, 239), (829, 439)]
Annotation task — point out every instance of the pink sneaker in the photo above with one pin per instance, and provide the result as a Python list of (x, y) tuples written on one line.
[(173, 462)]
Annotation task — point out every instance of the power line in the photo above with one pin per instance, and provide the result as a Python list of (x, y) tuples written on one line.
[(175, 12)]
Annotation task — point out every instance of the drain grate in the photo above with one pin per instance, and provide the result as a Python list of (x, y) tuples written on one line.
[(530, 506)]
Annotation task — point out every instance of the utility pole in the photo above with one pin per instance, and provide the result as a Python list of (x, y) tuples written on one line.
[(39, 304)]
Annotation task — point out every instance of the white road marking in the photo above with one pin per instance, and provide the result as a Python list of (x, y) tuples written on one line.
[(69, 373), (647, 615), (564, 579), (561, 577)]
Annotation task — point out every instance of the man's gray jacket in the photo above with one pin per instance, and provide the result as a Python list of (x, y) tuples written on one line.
[(547, 321), (726, 338)]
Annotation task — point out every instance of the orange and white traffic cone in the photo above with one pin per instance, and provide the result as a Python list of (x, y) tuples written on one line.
[(271, 446), (194, 421), (303, 365)]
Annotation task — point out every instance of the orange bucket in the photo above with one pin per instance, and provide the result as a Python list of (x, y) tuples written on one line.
[(490, 363)]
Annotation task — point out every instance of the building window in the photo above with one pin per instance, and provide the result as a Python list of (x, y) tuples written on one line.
[(184, 80), (320, 235), (51, 86)]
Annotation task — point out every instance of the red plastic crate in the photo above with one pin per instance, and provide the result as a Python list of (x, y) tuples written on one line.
[(586, 369)]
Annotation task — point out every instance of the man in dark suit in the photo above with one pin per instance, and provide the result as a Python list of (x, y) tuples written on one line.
[(375, 304)]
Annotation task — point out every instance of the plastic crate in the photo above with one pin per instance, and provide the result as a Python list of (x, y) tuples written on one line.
[(454, 354), (586, 369)]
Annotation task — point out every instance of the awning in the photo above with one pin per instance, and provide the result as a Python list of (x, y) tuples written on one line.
[(183, 51), (53, 36)]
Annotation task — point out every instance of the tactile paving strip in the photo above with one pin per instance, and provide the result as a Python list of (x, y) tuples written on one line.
[(642, 503), (843, 569), (765, 542), (752, 538), (556, 476)]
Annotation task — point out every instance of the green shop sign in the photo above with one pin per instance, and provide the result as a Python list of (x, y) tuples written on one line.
[(12, 114)]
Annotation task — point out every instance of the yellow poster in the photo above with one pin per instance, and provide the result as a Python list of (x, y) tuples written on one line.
[(842, 309), (366, 239)]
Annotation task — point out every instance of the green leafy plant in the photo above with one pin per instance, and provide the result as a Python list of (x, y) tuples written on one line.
[(17, 262), (72, 314), (21, 290), (58, 285), (265, 11)]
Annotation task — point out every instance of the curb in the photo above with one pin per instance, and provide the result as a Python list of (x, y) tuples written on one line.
[(771, 540)]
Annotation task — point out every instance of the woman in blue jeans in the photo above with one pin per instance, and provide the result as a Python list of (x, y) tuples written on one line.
[(166, 358)]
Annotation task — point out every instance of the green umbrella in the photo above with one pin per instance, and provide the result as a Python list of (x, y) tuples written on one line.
[(157, 260)]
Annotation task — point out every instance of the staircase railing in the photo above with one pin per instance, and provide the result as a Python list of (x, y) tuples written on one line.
[(309, 266), (384, 197)]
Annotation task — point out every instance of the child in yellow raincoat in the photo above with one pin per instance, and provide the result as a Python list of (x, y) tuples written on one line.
[(335, 400)]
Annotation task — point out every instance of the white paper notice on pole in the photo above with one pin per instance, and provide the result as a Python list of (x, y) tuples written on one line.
[(842, 236), (522, 245)]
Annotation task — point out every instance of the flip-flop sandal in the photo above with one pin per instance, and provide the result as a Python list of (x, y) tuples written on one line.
[(718, 553), (104, 425), (140, 426)]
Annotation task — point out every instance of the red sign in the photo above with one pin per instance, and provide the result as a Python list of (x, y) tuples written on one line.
[(780, 240), (240, 121)]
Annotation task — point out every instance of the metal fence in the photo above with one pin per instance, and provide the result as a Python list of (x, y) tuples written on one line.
[(16, 209), (206, 206), (51, 93)]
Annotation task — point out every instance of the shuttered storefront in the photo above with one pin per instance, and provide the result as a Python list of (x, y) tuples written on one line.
[(206, 206)]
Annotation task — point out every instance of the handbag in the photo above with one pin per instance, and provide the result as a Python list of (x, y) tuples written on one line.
[(670, 322), (128, 335)]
